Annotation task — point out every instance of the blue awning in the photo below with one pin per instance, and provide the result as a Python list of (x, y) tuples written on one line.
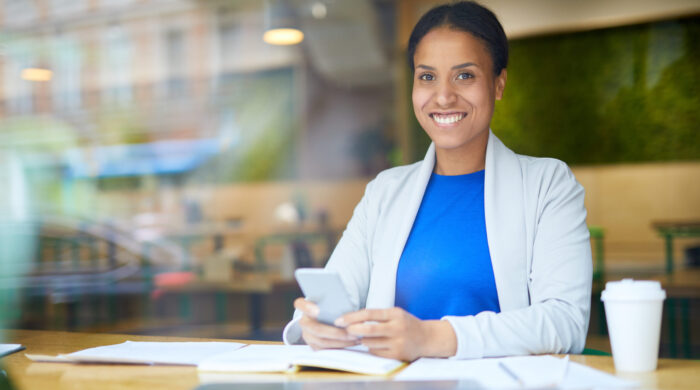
[(154, 158)]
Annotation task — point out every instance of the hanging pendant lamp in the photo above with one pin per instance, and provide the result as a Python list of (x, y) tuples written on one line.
[(281, 25)]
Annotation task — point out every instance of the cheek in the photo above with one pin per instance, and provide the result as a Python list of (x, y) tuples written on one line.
[(420, 98), (478, 97)]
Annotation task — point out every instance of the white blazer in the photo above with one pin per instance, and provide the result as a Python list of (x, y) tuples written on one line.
[(537, 237)]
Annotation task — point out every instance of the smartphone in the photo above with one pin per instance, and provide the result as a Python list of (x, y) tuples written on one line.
[(324, 288)]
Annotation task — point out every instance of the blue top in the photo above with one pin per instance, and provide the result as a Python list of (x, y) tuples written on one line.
[(445, 267)]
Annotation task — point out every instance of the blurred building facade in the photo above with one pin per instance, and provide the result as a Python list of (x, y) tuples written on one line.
[(128, 72), (148, 136), (157, 136)]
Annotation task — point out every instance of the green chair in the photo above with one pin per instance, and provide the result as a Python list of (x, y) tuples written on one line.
[(597, 235), (594, 352)]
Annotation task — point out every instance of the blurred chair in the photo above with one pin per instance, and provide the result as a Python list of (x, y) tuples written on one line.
[(671, 230), (597, 237), (595, 352), (79, 261), (300, 244)]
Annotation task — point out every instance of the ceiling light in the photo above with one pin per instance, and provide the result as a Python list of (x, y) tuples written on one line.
[(281, 24), (283, 36), (36, 74), (319, 10)]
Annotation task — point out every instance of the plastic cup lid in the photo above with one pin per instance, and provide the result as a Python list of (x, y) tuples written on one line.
[(633, 290)]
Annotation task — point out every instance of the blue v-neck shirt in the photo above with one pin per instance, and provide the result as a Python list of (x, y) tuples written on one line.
[(445, 267)]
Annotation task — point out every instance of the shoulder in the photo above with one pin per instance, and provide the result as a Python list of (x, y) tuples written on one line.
[(548, 177), (394, 178), (544, 167)]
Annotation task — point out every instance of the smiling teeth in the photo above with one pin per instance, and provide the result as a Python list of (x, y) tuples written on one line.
[(447, 119)]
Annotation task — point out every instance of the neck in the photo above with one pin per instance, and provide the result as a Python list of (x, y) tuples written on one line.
[(469, 158)]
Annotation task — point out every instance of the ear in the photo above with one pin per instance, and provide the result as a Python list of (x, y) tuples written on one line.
[(501, 83)]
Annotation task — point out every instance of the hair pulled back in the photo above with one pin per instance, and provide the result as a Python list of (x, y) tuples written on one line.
[(467, 16)]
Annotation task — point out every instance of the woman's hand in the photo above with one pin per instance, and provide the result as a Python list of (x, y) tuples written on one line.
[(395, 333), (318, 335)]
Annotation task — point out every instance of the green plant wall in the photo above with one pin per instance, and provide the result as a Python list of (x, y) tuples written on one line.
[(627, 94)]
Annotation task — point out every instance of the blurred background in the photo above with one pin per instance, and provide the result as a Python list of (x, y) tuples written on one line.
[(165, 165)]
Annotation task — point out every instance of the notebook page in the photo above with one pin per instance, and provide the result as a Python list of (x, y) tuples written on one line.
[(255, 358), (6, 349), (348, 360), (149, 352)]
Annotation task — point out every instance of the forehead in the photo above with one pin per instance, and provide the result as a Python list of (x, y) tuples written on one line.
[(449, 45)]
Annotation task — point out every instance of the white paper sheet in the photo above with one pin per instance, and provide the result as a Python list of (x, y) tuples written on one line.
[(579, 377), (536, 371), (148, 352), (46, 358), (530, 371), (6, 349), (480, 370)]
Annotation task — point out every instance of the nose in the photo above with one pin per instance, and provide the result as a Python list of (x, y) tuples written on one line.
[(445, 95)]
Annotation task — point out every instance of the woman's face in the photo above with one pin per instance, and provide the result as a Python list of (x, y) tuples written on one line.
[(454, 88)]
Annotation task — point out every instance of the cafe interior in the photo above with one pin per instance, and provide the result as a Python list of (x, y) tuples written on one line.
[(165, 166)]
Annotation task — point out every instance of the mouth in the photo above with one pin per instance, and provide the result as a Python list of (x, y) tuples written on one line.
[(447, 118)]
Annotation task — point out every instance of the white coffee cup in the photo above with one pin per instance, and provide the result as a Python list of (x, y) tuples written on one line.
[(633, 309)]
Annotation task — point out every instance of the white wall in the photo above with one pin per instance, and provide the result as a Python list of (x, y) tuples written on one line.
[(522, 18), (531, 17)]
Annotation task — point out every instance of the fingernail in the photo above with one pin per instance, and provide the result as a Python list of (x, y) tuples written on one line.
[(340, 322)]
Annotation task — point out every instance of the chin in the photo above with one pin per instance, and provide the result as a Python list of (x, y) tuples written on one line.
[(449, 145), (451, 141)]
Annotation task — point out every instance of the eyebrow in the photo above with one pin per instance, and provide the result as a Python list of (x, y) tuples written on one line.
[(460, 66)]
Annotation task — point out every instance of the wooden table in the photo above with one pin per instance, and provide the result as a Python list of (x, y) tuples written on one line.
[(671, 374), (683, 283)]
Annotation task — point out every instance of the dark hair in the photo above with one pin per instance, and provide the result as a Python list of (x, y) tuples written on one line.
[(467, 16)]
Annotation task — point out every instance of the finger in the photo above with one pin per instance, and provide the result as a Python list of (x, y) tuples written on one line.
[(371, 329), (363, 315), (307, 307), (320, 343), (311, 325), (313, 341), (387, 353), (377, 343)]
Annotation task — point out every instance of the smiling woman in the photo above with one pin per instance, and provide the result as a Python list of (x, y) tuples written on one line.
[(454, 90), (474, 251)]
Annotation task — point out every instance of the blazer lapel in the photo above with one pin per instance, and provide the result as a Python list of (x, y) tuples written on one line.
[(505, 224), (385, 286)]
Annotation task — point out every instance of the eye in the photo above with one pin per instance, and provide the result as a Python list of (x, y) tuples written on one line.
[(465, 76), (426, 77)]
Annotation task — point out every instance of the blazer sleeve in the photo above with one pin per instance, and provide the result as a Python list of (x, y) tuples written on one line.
[(559, 284), (350, 258)]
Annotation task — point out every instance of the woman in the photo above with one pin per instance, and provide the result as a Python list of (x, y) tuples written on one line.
[(474, 251)]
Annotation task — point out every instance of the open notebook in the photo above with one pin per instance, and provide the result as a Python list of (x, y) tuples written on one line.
[(144, 352), (230, 357), (289, 358), (6, 349)]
